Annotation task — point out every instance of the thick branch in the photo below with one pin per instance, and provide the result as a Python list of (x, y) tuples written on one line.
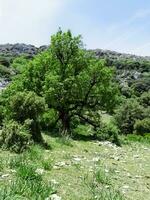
[(89, 121)]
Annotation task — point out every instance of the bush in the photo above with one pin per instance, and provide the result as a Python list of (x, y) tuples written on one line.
[(27, 105), (15, 137), (83, 130), (127, 114), (142, 126), (20, 63), (145, 99), (5, 61), (109, 132), (145, 139), (4, 71)]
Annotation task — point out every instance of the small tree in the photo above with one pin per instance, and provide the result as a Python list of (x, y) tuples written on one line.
[(27, 105), (127, 114)]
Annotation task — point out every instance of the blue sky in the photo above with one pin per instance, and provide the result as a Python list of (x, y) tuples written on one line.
[(120, 25)]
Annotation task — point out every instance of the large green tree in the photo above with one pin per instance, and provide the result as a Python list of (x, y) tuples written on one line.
[(73, 82)]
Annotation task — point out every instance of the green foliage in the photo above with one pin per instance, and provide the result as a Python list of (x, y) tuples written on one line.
[(110, 132), (20, 63), (5, 71), (145, 139), (76, 82), (100, 187), (15, 137), (101, 177), (25, 189), (83, 130), (73, 82), (141, 85), (5, 61), (27, 172), (48, 119), (142, 126), (28, 184), (46, 164), (145, 99), (27, 105), (1, 114), (127, 114)]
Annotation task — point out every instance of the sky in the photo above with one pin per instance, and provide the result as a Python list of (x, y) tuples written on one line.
[(119, 25)]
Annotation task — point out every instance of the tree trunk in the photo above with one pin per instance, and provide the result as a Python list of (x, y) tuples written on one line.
[(36, 132), (65, 120)]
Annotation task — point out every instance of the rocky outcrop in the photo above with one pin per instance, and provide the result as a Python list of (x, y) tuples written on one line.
[(19, 49), (100, 53)]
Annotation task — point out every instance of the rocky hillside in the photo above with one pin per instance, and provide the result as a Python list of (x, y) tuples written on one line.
[(132, 72), (14, 50)]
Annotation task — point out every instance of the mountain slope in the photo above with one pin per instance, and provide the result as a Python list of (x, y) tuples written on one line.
[(132, 72)]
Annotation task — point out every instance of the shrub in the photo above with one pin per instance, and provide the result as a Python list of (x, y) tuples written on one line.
[(145, 139), (5, 61), (127, 114), (15, 137), (109, 132), (83, 130), (145, 99), (4, 71), (20, 63), (27, 105), (142, 126)]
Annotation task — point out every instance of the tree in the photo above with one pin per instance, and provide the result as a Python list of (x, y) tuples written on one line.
[(77, 84), (73, 82)]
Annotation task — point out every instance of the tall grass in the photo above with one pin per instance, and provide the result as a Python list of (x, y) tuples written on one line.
[(100, 186), (27, 184)]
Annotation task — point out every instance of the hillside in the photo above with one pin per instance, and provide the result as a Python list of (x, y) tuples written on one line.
[(70, 128), (132, 72), (77, 170)]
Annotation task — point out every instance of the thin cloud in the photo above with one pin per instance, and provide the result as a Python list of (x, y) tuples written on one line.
[(140, 14), (28, 20), (140, 48)]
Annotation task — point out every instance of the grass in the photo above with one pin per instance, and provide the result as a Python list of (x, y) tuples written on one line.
[(83, 170)]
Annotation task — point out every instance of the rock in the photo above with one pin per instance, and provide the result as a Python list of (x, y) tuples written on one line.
[(53, 197), (136, 156), (5, 176), (106, 170), (137, 176), (53, 181), (125, 187), (60, 164), (96, 159), (39, 171), (12, 170), (77, 159)]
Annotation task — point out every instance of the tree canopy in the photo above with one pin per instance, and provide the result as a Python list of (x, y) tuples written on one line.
[(72, 81)]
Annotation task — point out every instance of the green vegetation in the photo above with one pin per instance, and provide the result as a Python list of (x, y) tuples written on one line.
[(83, 170), (15, 137), (64, 85), (71, 130)]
